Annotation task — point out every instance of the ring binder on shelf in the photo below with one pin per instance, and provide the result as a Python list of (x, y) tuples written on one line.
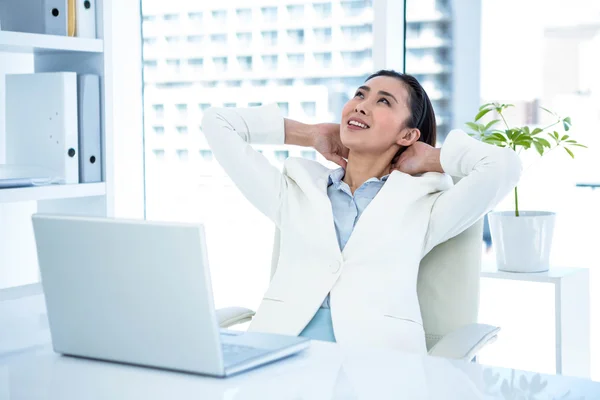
[(90, 155), (85, 18), (41, 122)]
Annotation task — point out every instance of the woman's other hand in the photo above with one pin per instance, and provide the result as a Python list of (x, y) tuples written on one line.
[(326, 140), (418, 159)]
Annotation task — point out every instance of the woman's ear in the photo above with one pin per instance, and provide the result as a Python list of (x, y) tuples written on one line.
[(408, 137)]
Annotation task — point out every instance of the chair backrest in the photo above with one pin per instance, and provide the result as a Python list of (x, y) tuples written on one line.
[(448, 283)]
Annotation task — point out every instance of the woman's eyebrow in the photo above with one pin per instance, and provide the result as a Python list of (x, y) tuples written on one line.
[(382, 92), (388, 94)]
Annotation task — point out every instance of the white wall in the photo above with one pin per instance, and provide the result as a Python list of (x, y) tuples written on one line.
[(124, 115), (17, 264)]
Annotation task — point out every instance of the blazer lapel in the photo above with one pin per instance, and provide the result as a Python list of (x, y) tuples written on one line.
[(324, 204), (398, 192)]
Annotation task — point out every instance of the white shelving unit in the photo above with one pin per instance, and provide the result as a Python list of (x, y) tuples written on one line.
[(33, 52), (52, 192), (571, 313), (20, 42)]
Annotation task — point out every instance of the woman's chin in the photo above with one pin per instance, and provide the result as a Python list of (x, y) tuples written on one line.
[(353, 139), (354, 143)]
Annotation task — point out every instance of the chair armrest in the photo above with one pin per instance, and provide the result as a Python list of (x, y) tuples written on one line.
[(465, 342), (233, 315)]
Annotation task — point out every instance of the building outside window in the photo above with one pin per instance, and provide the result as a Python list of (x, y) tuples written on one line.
[(269, 14)]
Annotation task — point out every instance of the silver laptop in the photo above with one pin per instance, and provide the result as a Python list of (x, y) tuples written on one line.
[(139, 292)]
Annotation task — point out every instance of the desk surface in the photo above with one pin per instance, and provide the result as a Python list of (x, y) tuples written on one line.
[(322, 372), (29, 369)]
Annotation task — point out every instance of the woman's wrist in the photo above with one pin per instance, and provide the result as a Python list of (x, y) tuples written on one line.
[(433, 163), (298, 133)]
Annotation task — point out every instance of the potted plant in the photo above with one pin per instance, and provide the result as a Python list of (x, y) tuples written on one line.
[(522, 239)]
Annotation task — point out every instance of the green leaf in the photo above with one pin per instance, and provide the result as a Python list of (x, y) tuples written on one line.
[(490, 124), (525, 145), (567, 124), (486, 105), (539, 148), (523, 140), (518, 135), (565, 137), (473, 126), (498, 136), (536, 131), (579, 145), (570, 152), (548, 111), (481, 114), (503, 107), (543, 142)]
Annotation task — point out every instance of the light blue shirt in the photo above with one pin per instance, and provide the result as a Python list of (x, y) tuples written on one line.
[(347, 209)]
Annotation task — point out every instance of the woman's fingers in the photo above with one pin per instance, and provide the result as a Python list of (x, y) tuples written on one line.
[(339, 160), (345, 151)]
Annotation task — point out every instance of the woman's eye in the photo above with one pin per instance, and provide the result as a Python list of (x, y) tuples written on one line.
[(359, 94), (385, 100)]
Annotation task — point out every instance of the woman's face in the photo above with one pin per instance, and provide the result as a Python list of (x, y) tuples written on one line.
[(374, 120)]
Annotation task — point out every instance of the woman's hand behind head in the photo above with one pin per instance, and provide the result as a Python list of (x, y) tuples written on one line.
[(326, 140), (418, 159)]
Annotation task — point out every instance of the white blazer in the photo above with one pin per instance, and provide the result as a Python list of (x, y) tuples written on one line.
[(373, 282)]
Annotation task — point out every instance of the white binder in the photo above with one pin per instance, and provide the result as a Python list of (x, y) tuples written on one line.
[(56, 21), (53, 17), (41, 122), (85, 18), (90, 155)]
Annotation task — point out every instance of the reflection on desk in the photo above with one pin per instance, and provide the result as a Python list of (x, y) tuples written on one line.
[(325, 371)]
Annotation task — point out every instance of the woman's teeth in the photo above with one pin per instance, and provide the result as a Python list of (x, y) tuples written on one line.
[(355, 123)]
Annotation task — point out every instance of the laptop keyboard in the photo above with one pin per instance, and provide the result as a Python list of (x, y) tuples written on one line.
[(233, 353)]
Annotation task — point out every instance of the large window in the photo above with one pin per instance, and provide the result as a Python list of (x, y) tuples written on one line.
[(308, 58), (275, 55), (466, 55)]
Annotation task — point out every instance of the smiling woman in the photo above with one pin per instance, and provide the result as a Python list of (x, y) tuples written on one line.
[(400, 114), (390, 166)]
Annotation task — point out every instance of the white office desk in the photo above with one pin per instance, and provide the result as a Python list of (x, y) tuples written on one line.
[(325, 371), (29, 369)]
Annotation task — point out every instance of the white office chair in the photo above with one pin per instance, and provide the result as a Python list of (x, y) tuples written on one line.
[(448, 289)]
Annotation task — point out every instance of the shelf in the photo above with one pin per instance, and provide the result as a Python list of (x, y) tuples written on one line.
[(19, 42), (553, 275), (51, 192), (19, 292)]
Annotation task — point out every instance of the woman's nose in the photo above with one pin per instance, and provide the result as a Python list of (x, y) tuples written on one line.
[(360, 108)]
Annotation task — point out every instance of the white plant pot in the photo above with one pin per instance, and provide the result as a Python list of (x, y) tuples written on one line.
[(522, 243)]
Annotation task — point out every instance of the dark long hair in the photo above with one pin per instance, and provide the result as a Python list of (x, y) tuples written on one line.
[(422, 115)]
